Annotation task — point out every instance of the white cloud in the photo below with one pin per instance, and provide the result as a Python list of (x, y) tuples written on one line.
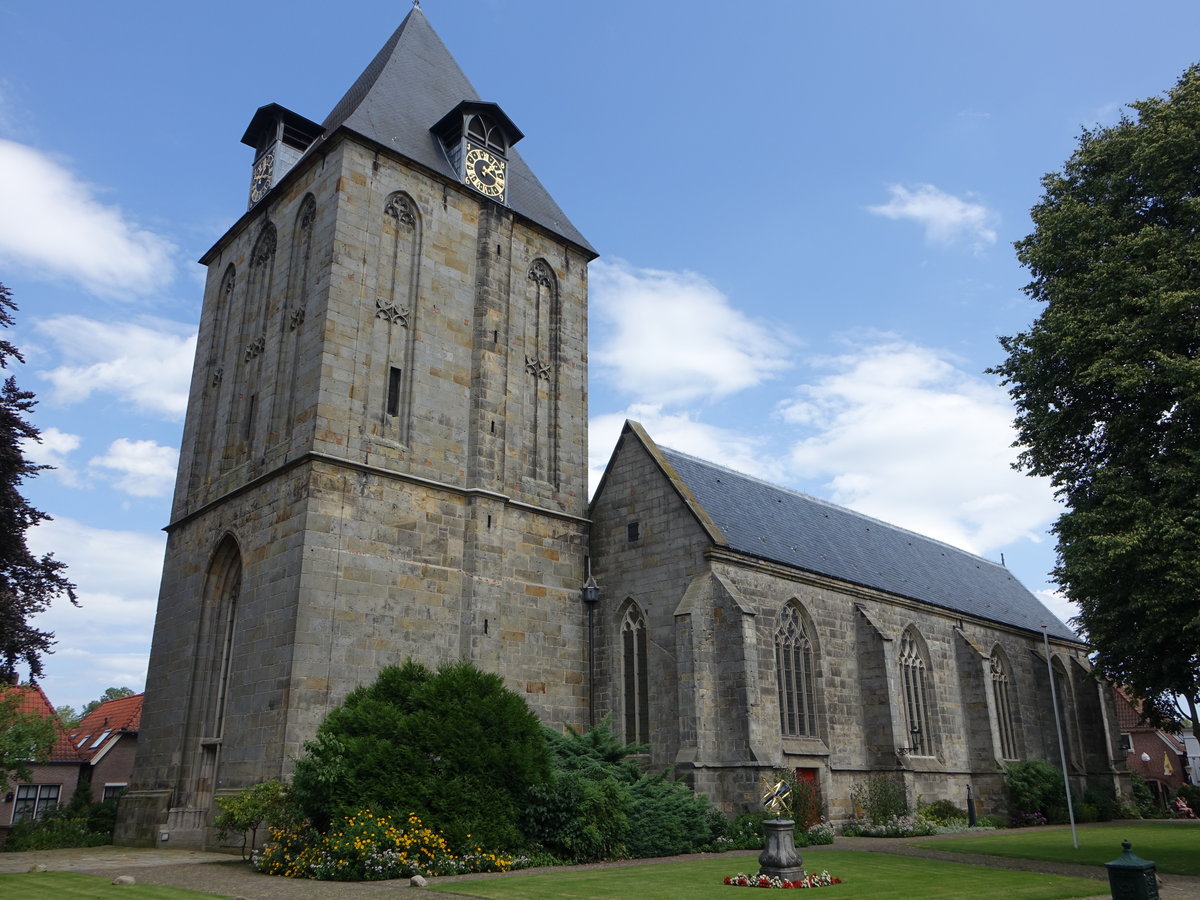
[(148, 365), (947, 220), (147, 468), (672, 337), (678, 431), (105, 641), (1063, 608), (53, 450), (902, 434), (51, 222)]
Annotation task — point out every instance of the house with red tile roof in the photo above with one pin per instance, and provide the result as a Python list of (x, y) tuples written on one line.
[(54, 780), (1154, 754), (107, 739)]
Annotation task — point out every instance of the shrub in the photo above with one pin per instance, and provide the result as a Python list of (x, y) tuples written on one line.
[(579, 817), (1102, 795), (666, 817), (1143, 798), (1035, 787), (821, 833), (879, 799), (743, 832), (896, 826), (456, 748), (365, 846), (941, 812), (80, 823), (250, 807)]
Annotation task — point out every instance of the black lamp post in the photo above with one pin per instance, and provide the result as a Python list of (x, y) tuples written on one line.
[(591, 596)]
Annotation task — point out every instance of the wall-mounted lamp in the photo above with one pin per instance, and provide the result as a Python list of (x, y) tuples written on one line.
[(1145, 757), (915, 738)]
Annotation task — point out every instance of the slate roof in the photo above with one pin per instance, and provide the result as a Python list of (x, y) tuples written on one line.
[(774, 523), (32, 699), (120, 716), (408, 87)]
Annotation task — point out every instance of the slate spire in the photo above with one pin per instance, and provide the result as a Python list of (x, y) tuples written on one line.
[(410, 85)]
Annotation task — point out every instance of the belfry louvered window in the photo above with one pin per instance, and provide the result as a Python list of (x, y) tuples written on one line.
[(794, 674), (636, 681), (1002, 696), (914, 679)]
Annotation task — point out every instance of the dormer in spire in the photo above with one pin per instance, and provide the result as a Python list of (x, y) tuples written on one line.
[(279, 138), (476, 138)]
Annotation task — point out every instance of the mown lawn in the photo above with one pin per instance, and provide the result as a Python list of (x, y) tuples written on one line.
[(76, 886), (865, 876), (1174, 848)]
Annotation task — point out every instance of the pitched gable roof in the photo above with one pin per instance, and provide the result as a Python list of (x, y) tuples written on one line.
[(32, 700), (122, 714), (408, 87), (764, 520)]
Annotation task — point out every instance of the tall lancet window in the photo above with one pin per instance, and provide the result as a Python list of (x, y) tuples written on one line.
[(636, 683), (300, 278), (253, 337), (393, 338), (1002, 698), (914, 681), (794, 674), (541, 367)]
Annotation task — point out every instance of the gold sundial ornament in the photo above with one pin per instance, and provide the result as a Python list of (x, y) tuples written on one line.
[(774, 795), (485, 172)]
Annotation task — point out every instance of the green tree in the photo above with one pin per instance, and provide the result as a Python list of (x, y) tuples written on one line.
[(456, 747), (24, 738), (27, 583), (1106, 384)]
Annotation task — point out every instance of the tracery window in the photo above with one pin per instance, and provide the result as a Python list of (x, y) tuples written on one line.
[(636, 684), (1002, 695), (914, 678), (794, 675)]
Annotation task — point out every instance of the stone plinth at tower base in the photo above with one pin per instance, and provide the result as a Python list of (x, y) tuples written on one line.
[(779, 858)]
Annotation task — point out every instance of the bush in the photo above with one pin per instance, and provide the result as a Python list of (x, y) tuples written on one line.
[(456, 748), (896, 826), (579, 817), (1035, 788), (666, 817), (369, 847), (743, 832), (942, 812), (879, 799), (821, 833), (80, 823), (249, 808), (1143, 798), (1102, 796)]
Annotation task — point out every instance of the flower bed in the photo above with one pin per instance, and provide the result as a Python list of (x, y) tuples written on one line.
[(370, 847), (824, 879)]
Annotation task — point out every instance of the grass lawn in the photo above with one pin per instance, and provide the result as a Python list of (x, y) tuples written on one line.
[(1173, 848), (76, 886), (864, 875)]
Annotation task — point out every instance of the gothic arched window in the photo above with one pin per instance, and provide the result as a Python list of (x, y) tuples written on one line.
[(636, 682), (914, 680), (1002, 696), (794, 675)]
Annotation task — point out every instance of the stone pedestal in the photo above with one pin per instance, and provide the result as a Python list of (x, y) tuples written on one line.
[(779, 857)]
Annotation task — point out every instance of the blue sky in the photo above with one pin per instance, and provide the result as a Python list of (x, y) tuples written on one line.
[(805, 213)]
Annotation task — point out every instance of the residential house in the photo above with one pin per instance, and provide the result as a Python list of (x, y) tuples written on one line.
[(52, 781), (107, 739)]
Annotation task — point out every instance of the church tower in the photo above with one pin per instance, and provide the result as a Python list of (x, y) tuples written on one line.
[(384, 456)]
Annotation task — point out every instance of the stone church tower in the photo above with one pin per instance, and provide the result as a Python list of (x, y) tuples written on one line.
[(384, 456)]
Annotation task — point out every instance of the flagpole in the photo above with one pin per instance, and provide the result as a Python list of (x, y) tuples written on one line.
[(1062, 751)]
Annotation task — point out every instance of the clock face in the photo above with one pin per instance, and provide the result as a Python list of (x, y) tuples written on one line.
[(485, 172), (260, 179)]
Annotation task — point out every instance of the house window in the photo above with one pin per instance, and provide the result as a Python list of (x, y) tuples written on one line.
[(34, 801), (914, 677), (114, 791), (1002, 695), (794, 674), (636, 681)]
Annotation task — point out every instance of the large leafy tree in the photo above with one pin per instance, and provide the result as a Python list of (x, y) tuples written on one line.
[(27, 583), (1106, 384)]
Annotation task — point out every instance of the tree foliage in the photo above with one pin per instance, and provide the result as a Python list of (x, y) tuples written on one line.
[(25, 738), (1106, 384), (27, 583), (455, 747)]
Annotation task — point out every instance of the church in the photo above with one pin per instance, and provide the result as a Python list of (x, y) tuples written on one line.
[(384, 459)]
